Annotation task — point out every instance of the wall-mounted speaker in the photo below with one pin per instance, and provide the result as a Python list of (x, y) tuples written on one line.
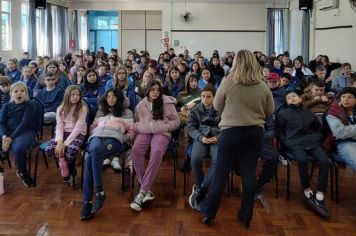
[(40, 4), (305, 5)]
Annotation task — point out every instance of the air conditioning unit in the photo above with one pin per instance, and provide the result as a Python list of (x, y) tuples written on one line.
[(325, 5)]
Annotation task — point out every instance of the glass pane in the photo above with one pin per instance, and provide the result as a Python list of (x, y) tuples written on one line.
[(24, 9), (24, 31), (5, 6), (114, 23), (5, 31)]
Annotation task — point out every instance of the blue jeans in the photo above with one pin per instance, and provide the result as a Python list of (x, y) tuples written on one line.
[(99, 148), (19, 148), (199, 151), (346, 153)]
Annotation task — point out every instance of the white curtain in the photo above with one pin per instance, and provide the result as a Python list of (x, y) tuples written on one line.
[(83, 30)]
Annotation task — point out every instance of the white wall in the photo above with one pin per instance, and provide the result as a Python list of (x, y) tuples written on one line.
[(338, 44), (219, 17)]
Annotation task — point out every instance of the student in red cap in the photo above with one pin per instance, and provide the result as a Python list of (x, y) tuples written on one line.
[(279, 93)]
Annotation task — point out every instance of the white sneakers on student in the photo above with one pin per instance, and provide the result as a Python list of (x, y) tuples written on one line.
[(115, 164)]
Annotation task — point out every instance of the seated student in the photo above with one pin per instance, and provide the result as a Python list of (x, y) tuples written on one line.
[(51, 97), (341, 118), (92, 90), (120, 80), (156, 118), (25, 60), (205, 78), (284, 81), (62, 79), (265, 72), (204, 130), (269, 155), (353, 81), (277, 67), (12, 70), (71, 129), (174, 82), (103, 77), (28, 78), (294, 83), (300, 134), (17, 128), (279, 94), (300, 70), (5, 84), (142, 84), (131, 75), (342, 81), (34, 69), (111, 130), (316, 100), (217, 71), (78, 76), (319, 74)]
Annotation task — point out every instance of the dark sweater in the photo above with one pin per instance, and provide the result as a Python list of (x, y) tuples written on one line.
[(50, 99), (4, 98), (14, 75), (16, 118), (279, 98)]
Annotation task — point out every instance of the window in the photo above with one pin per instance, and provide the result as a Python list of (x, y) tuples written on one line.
[(5, 25), (24, 26), (83, 33)]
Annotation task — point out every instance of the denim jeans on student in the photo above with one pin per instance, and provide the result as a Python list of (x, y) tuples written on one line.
[(19, 148), (238, 148), (199, 151), (346, 152), (99, 148)]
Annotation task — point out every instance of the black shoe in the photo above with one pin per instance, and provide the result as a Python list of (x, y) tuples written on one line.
[(26, 179), (318, 206), (201, 193), (193, 198), (66, 179), (99, 202), (207, 220), (245, 223), (85, 212)]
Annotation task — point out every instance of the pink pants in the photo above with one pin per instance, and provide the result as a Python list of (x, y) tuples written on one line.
[(158, 143)]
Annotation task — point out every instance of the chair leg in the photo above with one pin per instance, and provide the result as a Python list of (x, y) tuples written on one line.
[(336, 183), (45, 160), (276, 181), (332, 181), (123, 174), (7, 156), (82, 172), (288, 180), (36, 168), (185, 182), (29, 162), (174, 152)]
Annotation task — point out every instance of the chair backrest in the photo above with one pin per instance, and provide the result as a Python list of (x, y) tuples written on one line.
[(39, 111)]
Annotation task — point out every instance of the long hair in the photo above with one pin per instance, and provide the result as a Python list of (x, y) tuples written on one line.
[(21, 85), (120, 68), (157, 104), (118, 109), (88, 86), (245, 68), (66, 106)]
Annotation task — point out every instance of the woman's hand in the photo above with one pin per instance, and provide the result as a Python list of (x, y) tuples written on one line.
[(6, 143)]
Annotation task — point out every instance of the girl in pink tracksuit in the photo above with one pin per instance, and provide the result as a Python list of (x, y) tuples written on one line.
[(156, 117)]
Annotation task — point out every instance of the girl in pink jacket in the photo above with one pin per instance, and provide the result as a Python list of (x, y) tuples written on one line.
[(71, 129), (156, 117)]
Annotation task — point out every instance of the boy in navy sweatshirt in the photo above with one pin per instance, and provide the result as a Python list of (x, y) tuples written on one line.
[(5, 84), (51, 97)]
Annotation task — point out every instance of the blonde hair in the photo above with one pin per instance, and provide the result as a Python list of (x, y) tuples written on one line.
[(245, 68), (19, 84), (66, 106)]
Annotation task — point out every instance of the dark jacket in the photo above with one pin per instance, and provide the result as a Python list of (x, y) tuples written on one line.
[(279, 98), (202, 124), (296, 126), (270, 129)]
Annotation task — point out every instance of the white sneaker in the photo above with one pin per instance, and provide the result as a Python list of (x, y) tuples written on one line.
[(115, 164), (149, 196), (138, 201), (106, 162), (283, 160)]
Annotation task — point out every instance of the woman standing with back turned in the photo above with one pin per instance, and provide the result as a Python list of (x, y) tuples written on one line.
[(244, 101)]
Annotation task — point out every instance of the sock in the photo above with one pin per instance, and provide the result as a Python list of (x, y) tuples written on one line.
[(64, 167), (319, 196), (308, 192)]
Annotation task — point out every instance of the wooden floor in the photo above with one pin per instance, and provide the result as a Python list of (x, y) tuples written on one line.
[(52, 208)]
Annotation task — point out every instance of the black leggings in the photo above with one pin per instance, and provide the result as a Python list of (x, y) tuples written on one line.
[(238, 148)]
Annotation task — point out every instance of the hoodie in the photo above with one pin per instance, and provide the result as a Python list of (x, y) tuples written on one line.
[(145, 122)]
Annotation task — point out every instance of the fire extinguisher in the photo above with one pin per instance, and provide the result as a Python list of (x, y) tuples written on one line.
[(165, 41), (71, 41)]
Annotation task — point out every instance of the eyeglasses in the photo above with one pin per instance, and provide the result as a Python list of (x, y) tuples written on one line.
[(50, 79), (121, 73)]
